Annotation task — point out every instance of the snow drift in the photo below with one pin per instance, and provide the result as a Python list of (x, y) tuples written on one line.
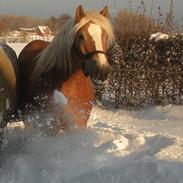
[(130, 146)]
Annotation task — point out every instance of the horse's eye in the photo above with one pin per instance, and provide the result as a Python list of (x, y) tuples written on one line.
[(81, 37)]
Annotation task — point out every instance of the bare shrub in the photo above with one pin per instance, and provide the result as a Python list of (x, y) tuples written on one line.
[(13, 22), (169, 21), (131, 24), (146, 72), (55, 23)]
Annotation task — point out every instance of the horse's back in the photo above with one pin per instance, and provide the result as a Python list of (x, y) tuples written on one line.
[(8, 80), (10, 54), (28, 54), (32, 49), (26, 62)]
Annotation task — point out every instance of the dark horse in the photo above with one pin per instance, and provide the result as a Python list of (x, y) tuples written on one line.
[(8, 84), (65, 68)]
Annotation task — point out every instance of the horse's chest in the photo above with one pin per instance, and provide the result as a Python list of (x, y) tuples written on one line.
[(79, 93), (78, 88)]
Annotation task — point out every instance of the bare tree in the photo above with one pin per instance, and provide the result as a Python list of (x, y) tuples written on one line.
[(169, 21)]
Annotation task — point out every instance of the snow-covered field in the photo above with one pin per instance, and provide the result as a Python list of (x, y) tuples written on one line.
[(118, 146), (17, 47)]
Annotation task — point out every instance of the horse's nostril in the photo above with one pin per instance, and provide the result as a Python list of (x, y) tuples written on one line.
[(2, 89), (97, 74), (95, 70), (86, 73), (100, 74), (103, 77)]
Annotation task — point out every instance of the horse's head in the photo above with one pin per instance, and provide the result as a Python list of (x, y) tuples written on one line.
[(85, 38), (92, 41)]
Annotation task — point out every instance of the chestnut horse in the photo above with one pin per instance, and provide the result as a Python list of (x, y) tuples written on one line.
[(8, 84), (66, 67)]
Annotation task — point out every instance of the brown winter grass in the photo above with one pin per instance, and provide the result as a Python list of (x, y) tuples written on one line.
[(131, 24)]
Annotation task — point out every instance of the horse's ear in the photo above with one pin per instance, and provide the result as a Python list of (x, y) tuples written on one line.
[(79, 13), (105, 12)]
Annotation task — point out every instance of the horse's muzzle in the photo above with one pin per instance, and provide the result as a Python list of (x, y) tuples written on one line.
[(96, 71)]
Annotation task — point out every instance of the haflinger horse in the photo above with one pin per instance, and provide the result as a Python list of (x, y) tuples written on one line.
[(67, 66), (8, 84)]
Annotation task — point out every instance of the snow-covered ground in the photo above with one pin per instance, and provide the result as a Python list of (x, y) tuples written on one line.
[(17, 47), (119, 146)]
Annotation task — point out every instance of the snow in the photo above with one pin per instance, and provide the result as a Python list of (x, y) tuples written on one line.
[(12, 125), (59, 98), (142, 145), (158, 36), (17, 47), (45, 30)]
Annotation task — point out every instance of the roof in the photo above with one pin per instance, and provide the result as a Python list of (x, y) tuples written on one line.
[(44, 30)]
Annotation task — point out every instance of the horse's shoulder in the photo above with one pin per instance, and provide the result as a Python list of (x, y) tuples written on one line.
[(35, 45), (31, 50)]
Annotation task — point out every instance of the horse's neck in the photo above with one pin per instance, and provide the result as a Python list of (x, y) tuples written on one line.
[(57, 76), (76, 66), (77, 82)]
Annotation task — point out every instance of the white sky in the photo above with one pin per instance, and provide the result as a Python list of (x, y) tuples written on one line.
[(46, 8)]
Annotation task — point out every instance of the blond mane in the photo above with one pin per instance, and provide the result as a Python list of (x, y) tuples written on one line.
[(58, 53)]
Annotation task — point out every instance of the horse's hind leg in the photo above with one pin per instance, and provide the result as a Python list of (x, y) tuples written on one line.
[(1, 137), (2, 126)]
